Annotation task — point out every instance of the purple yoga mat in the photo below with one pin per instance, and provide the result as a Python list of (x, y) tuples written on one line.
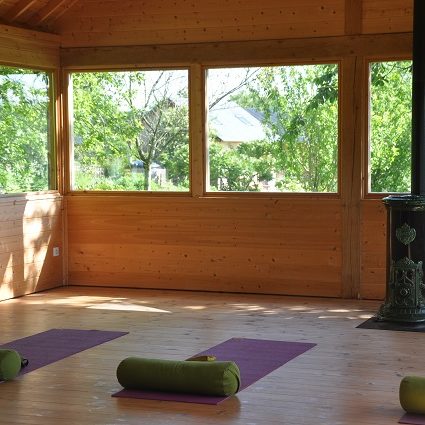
[(256, 358), (412, 418), (56, 344)]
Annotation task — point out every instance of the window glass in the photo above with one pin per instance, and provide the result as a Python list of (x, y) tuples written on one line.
[(273, 129), (390, 126), (25, 133), (129, 130)]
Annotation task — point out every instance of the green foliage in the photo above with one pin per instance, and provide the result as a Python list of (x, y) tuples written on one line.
[(390, 126), (175, 159), (100, 130), (241, 169), (128, 124), (300, 109), (127, 118), (24, 130)]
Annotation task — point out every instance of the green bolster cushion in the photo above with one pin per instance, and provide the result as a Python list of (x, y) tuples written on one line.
[(412, 394), (192, 377), (10, 364)]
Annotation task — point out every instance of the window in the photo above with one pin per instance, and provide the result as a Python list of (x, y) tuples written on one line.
[(273, 129), (129, 130), (26, 136), (390, 126)]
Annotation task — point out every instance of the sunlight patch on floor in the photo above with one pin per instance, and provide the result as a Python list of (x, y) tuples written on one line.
[(195, 307), (126, 307), (99, 303)]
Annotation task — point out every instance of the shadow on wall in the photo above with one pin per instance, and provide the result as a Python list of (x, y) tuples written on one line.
[(29, 229)]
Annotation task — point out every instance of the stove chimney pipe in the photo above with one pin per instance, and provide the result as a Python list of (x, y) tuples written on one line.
[(418, 100)]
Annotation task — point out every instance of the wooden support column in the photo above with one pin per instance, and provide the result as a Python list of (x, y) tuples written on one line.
[(67, 118), (353, 83), (197, 129)]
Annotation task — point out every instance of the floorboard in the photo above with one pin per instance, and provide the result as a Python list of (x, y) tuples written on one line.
[(350, 378)]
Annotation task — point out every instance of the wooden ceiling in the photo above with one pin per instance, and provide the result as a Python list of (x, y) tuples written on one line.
[(34, 14), (83, 23)]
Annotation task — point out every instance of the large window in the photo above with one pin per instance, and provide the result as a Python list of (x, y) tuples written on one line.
[(390, 126), (26, 123), (129, 130), (273, 129)]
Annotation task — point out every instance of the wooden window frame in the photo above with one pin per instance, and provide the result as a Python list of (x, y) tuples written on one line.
[(283, 63), (350, 51), (53, 156), (366, 107), (68, 157), (197, 130)]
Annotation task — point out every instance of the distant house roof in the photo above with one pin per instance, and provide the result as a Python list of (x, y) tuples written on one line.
[(234, 124)]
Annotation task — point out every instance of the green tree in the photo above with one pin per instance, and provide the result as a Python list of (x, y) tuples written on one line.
[(121, 117), (299, 105), (100, 128), (129, 117), (390, 126), (24, 130)]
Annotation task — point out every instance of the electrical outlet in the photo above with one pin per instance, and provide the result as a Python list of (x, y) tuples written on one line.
[(56, 251)]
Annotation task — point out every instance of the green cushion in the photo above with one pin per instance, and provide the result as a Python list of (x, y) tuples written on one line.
[(412, 394), (10, 364), (192, 377)]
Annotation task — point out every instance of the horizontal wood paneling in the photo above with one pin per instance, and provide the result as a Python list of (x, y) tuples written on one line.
[(129, 22), (373, 249), (220, 248), (29, 229), (236, 245), (29, 48), (108, 23), (387, 16), (30, 225), (271, 51)]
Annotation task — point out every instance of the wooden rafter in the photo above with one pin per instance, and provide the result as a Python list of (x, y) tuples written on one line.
[(68, 5), (47, 11), (18, 10)]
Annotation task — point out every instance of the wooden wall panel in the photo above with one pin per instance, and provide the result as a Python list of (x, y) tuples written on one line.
[(353, 16), (29, 229), (373, 249), (236, 245), (387, 16), (250, 245), (216, 240), (29, 48), (29, 225), (111, 23)]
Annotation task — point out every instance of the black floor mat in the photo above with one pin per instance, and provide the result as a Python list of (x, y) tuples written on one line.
[(372, 323)]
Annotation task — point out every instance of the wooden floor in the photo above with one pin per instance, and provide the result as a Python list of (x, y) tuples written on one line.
[(350, 377)]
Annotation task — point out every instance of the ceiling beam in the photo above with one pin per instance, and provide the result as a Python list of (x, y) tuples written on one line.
[(48, 10), (18, 10)]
